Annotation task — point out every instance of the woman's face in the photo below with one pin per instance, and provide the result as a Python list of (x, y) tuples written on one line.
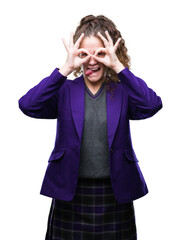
[(93, 70)]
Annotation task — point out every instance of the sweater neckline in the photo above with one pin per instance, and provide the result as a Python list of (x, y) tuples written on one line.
[(97, 93)]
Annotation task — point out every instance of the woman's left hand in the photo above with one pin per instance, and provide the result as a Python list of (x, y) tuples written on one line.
[(107, 55)]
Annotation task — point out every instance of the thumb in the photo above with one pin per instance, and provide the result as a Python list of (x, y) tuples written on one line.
[(84, 60), (101, 60)]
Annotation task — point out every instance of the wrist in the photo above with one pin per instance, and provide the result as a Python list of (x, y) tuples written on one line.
[(118, 67), (65, 70)]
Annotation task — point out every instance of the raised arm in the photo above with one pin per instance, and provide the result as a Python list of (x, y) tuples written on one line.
[(41, 101), (143, 101)]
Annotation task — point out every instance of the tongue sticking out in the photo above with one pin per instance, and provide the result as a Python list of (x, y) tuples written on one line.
[(88, 72)]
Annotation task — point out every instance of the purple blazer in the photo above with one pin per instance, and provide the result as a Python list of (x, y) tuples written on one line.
[(56, 97)]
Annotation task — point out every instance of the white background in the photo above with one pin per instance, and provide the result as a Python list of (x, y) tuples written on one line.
[(30, 49)]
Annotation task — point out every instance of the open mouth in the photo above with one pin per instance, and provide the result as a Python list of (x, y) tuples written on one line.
[(92, 70)]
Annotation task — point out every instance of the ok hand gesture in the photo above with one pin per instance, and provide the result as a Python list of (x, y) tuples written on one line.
[(108, 54), (73, 60)]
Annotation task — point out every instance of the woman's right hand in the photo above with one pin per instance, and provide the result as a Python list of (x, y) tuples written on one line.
[(73, 60)]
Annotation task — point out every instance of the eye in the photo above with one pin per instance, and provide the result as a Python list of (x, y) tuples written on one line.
[(101, 54), (83, 55)]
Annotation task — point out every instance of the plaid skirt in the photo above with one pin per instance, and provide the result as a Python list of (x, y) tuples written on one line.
[(93, 214)]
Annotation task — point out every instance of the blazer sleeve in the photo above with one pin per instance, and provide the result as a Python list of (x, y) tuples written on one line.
[(143, 101), (41, 101)]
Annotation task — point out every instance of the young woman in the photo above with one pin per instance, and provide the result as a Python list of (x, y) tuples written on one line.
[(93, 175)]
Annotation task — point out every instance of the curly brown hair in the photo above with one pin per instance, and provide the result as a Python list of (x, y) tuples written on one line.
[(91, 25)]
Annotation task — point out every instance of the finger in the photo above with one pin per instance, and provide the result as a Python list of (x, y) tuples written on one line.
[(71, 42), (84, 60), (101, 60), (108, 37), (77, 44), (65, 44), (100, 50), (103, 39), (117, 44), (82, 52)]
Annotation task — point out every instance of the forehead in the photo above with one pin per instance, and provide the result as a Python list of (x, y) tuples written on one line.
[(91, 43)]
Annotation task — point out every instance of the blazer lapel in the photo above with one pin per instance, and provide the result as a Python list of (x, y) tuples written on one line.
[(77, 97), (77, 89), (114, 107)]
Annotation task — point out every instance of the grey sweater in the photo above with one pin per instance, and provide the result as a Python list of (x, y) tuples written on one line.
[(94, 155)]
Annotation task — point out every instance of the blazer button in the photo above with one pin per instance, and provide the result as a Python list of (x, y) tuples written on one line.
[(111, 150)]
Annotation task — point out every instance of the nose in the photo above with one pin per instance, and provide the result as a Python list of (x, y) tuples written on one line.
[(92, 60)]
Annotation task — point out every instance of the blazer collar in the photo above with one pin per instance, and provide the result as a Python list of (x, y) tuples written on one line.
[(77, 95)]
